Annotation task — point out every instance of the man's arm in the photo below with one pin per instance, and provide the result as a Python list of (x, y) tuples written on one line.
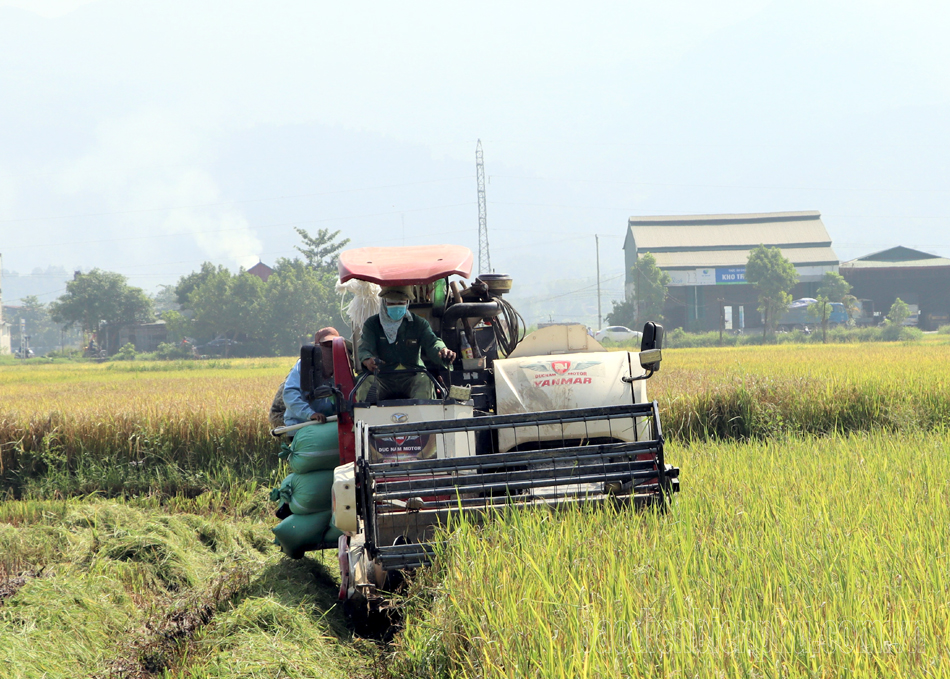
[(434, 348), (368, 344), (297, 407)]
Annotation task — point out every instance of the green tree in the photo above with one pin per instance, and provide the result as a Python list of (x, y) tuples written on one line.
[(899, 312), (648, 295), (166, 299), (101, 296), (42, 332), (187, 284), (298, 301), (834, 287), (178, 326), (321, 251), (773, 276), (820, 311), (226, 305)]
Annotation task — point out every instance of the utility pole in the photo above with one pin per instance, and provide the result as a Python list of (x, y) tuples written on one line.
[(484, 261), (600, 322)]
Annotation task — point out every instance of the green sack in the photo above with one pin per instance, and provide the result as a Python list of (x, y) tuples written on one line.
[(299, 534), (277, 494), (308, 493), (315, 448)]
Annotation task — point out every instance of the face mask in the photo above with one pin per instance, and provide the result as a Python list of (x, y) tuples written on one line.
[(396, 312)]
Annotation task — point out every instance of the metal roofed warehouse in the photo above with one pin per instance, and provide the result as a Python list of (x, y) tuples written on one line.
[(920, 279), (706, 255)]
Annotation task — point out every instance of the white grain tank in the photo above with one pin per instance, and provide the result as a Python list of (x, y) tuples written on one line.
[(566, 369)]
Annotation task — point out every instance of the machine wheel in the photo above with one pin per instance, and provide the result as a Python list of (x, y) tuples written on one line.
[(371, 619)]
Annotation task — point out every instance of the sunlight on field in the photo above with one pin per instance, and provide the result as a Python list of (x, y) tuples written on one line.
[(192, 415), (810, 537), (796, 558)]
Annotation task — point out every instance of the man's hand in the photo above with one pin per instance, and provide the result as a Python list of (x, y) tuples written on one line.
[(318, 417), (446, 354), (370, 364)]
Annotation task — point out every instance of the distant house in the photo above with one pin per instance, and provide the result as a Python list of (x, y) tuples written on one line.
[(920, 279), (143, 336), (261, 270), (706, 256)]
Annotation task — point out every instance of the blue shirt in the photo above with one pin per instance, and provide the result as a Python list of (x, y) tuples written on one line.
[(298, 408)]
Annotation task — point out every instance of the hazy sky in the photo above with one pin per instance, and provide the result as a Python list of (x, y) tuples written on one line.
[(146, 137)]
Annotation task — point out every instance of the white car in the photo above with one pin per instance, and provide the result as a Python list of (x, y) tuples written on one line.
[(618, 333)]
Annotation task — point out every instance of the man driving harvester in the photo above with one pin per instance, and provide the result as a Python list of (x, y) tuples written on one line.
[(391, 346)]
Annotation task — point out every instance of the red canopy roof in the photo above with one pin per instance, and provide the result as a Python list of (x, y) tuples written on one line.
[(414, 265)]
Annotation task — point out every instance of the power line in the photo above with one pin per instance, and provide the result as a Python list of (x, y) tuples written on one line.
[(574, 292), (722, 186)]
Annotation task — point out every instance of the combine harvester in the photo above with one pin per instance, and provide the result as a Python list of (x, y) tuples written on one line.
[(549, 419)]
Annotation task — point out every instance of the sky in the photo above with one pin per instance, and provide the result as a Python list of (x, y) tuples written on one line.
[(148, 137)]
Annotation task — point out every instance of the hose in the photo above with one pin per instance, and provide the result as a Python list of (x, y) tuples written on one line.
[(508, 327)]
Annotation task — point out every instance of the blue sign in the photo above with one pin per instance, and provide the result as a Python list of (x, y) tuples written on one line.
[(733, 275)]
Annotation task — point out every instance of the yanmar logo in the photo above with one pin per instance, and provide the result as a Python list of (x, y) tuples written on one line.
[(557, 373)]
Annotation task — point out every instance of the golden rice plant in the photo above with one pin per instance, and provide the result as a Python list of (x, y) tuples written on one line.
[(794, 557), (212, 417)]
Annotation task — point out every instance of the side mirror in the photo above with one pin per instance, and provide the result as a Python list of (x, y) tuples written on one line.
[(651, 346)]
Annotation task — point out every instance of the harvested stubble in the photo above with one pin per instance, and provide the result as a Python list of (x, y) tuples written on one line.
[(107, 588), (797, 557)]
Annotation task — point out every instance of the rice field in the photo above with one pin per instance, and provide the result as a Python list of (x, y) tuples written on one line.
[(132, 428), (793, 557), (762, 391), (136, 427), (810, 539)]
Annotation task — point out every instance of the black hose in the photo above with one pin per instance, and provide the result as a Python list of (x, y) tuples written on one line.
[(470, 310), (509, 329)]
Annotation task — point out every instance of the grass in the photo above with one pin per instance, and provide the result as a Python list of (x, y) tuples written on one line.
[(795, 557), (108, 588)]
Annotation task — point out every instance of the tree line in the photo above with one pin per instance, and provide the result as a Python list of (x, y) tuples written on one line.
[(245, 314)]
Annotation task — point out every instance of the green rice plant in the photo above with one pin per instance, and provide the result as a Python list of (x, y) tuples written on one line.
[(793, 557)]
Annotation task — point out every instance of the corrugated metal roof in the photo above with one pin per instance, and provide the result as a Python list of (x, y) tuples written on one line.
[(724, 232), (736, 258), (898, 257), (930, 262)]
